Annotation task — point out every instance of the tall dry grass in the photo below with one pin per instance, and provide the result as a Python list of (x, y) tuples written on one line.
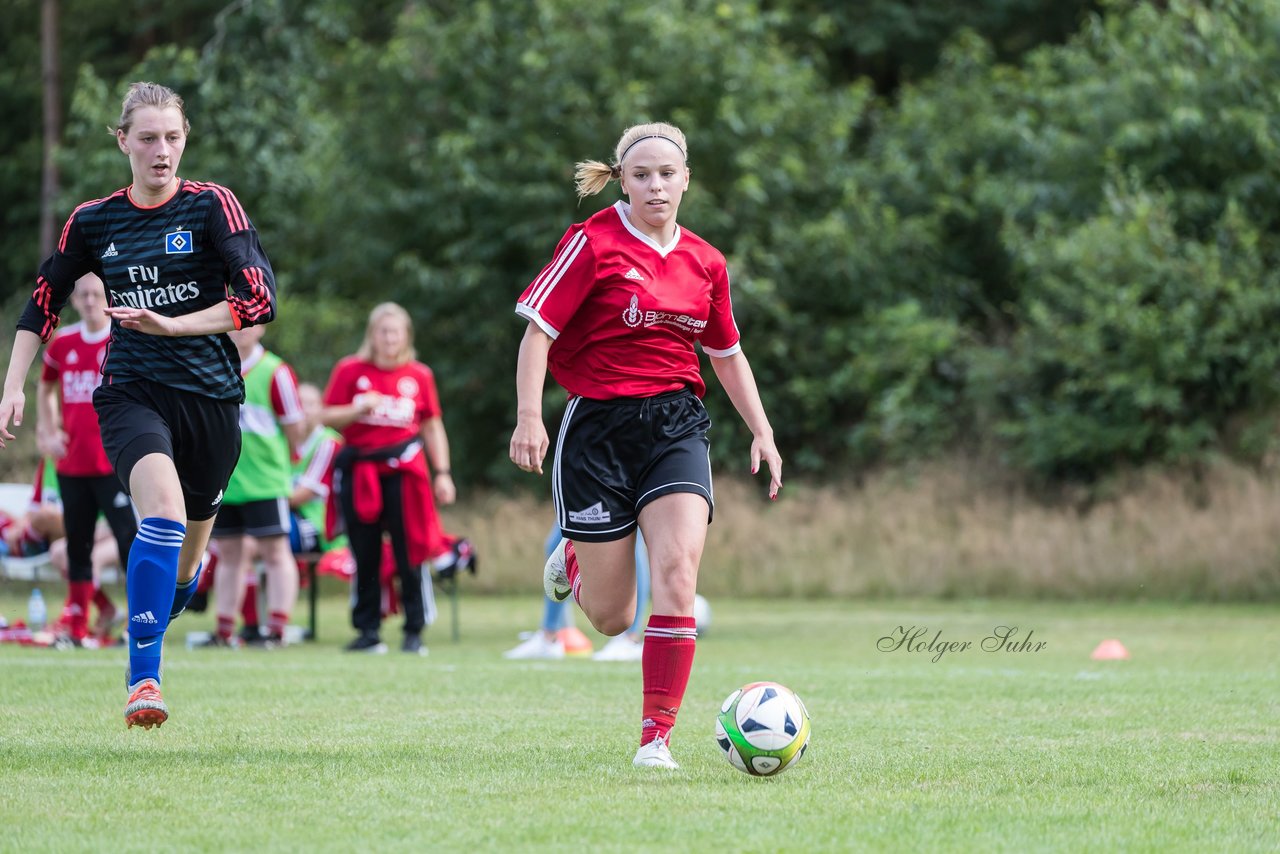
[(949, 531)]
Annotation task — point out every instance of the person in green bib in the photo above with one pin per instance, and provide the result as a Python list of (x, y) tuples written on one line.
[(254, 518)]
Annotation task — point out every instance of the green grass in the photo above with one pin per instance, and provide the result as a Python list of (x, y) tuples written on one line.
[(310, 749)]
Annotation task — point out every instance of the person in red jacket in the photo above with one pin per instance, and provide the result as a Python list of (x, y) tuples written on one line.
[(615, 316), (384, 402)]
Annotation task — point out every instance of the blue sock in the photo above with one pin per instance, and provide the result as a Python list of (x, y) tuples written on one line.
[(149, 584), (183, 592)]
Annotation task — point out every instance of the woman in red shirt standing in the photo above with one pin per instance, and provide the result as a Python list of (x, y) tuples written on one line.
[(615, 316), (384, 403)]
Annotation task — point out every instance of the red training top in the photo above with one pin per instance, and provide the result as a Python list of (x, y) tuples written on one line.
[(624, 312), (408, 398), (74, 360)]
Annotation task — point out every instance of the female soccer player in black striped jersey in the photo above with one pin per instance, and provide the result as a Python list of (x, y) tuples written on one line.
[(615, 316), (182, 266)]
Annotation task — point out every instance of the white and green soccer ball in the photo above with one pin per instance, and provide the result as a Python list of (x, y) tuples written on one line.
[(763, 729)]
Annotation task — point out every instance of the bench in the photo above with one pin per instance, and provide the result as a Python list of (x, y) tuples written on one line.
[(307, 563), (15, 499)]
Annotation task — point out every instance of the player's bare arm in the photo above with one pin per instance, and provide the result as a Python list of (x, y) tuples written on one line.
[(734, 373), (208, 321), (436, 443), (529, 442), (25, 346)]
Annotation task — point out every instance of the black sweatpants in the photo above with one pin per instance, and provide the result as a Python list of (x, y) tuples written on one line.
[(83, 498), (366, 547)]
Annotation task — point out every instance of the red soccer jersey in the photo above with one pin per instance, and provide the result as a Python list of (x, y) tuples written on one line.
[(73, 359), (408, 398), (624, 312), (284, 388)]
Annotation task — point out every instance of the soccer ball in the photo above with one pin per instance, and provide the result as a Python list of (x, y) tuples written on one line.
[(701, 614), (763, 729)]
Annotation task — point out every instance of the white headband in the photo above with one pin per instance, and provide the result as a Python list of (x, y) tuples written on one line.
[(652, 136)]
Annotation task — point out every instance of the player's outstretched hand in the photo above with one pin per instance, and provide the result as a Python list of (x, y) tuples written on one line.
[(141, 320), (764, 450), (529, 444), (11, 406)]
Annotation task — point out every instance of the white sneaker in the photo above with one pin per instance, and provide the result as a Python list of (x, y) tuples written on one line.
[(620, 648), (537, 647), (555, 576), (655, 754)]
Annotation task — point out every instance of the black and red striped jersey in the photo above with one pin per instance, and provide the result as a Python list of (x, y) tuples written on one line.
[(188, 253)]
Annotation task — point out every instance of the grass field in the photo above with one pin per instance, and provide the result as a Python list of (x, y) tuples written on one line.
[(311, 749)]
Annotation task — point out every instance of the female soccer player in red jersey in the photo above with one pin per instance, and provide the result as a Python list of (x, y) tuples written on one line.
[(182, 265), (384, 402), (615, 316)]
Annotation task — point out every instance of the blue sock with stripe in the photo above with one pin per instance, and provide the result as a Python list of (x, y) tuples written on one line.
[(149, 582), (183, 592)]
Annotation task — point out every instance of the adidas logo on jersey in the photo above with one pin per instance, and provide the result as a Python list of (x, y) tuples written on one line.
[(145, 617), (633, 273), (111, 252)]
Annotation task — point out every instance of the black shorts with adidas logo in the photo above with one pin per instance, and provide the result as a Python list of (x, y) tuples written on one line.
[(200, 434), (612, 457)]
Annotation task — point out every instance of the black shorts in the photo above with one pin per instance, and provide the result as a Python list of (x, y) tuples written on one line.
[(268, 517), (200, 434), (613, 457)]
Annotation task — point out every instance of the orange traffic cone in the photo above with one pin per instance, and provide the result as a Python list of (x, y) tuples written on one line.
[(575, 642), (1110, 650)]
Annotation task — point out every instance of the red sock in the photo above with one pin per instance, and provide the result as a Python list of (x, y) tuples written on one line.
[(276, 623), (249, 610), (79, 593), (102, 601), (226, 625), (206, 575), (571, 570), (665, 663)]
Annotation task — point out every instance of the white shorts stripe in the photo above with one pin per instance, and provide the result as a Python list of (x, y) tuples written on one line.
[(702, 490), (557, 497)]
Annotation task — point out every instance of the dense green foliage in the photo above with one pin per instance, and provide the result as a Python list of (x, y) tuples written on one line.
[(1052, 236)]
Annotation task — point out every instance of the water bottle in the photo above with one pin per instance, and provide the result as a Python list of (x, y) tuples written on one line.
[(37, 613)]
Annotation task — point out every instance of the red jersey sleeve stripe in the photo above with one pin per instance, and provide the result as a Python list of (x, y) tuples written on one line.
[(259, 302), (546, 283), (231, 209), (319, 466), (287, 392), (62, 241), (42, 297)]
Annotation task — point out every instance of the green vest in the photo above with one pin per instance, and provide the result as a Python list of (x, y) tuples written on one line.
[(49, 493), (314, 511), (263, 471)]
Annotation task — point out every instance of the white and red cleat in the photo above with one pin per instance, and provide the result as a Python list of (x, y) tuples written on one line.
[(145, 707)]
